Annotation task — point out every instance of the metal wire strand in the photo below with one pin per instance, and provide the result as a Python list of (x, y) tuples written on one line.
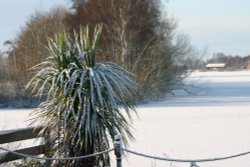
[(185, 160), (56, 159), (192, 161)]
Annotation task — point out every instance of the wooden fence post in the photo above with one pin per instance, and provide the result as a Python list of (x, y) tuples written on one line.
[(118, 150)]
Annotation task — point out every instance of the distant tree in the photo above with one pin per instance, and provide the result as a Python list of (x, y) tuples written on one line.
[(30, 44), (8, 86), (10, 57), (232, 62), (2, 67), (139, 38), (136, 35)]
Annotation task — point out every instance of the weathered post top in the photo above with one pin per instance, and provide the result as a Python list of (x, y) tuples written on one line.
[(118, 149)]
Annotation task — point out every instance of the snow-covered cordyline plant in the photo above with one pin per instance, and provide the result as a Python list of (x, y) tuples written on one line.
[(87, 103)]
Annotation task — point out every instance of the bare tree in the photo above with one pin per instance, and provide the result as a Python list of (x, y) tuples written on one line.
[(30, 44), (135, 36), (139, 38)]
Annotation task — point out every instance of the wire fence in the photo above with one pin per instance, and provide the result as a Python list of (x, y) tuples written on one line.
[(193, 162), (119, 151), (185, 160), (55, 159)]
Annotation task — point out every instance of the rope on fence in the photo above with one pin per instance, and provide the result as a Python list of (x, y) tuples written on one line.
[(192, 161), (185, 160), (56, 159)]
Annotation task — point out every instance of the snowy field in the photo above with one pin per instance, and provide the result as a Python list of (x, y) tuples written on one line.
[(212, 122)]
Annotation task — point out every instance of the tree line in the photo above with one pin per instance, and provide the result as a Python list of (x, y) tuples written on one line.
[(137, 36), (232, 62)]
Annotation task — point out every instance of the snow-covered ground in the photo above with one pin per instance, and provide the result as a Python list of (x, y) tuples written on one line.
[(212, 122)]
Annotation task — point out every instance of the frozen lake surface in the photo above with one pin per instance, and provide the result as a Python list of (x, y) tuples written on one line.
[(212, 122)]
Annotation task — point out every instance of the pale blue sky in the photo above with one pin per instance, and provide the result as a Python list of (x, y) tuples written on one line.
[(218, 25), (14, 14)]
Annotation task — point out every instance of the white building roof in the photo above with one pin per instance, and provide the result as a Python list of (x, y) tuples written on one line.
[(216, 65)]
